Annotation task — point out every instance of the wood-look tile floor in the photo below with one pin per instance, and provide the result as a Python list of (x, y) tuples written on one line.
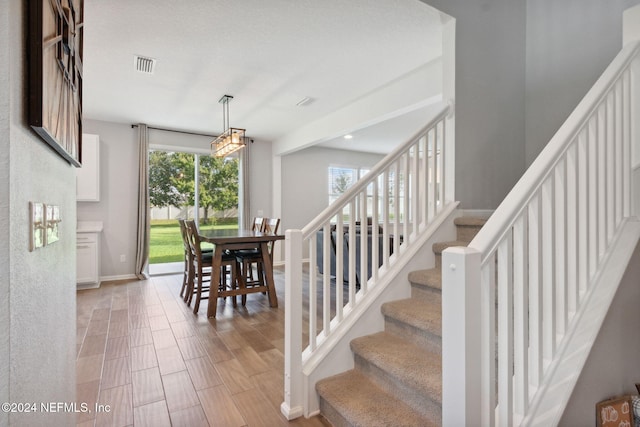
[(142, 352)]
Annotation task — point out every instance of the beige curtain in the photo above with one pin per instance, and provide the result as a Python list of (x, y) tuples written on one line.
[(142, 249), (245, 219)]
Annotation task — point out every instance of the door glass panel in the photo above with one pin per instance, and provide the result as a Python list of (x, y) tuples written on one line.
[(175, 191), (218, 192)]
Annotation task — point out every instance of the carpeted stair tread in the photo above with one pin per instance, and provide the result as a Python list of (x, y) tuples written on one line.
[(403, 361), (431, 278), (362, 404), (417, 313), (441, 246)]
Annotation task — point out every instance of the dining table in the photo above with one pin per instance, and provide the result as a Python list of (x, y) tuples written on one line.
[(238, 239)]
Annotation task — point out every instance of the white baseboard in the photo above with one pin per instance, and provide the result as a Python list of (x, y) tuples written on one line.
[(83, 286), (120, 277)]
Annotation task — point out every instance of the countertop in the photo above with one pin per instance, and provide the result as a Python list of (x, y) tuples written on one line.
[(89, 227)]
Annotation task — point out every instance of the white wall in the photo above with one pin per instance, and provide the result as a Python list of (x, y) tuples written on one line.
[(631, 24), (612, 366), (569, 44), (489, 87), (117, 208), (522, 66), (5, 286), (261, 185), (37, 289), (305, 181)]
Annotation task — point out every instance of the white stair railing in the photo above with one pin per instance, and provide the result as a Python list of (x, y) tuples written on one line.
[(536, 263), (350, 248)]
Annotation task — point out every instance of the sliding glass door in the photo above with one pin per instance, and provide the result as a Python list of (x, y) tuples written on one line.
[(190, 186)]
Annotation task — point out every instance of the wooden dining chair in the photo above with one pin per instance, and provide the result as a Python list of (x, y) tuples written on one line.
[(271, 226), (187, 259), (258, 224), (253, 258), (200, 274), (249, 254)]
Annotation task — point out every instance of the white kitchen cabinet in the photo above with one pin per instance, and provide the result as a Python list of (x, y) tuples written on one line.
[(88, 254), (88, 176)]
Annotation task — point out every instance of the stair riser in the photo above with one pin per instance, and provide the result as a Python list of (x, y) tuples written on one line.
[(422, 338), (334, 417), (425, 293), (466, 233), (427, 406)]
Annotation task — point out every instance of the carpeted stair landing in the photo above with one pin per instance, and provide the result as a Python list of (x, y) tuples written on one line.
[(397, 378)]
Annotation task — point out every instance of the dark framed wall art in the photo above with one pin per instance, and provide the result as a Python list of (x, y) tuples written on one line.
[(55, 41)]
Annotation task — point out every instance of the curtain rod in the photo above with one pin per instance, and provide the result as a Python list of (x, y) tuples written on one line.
[(178, 131)]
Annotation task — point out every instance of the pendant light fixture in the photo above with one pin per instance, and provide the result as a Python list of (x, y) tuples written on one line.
[(232, 139)]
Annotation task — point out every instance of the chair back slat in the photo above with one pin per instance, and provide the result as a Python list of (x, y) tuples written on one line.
[(258, 224), (193, 239), (271, 225), (183, 233)]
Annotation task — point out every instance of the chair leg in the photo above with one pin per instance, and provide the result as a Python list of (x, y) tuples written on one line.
[(184, 280), (234, 282), (247, 274), (198, 292), (190, 285), (184, 293), (223, 278), (260, 268), (240, 280)]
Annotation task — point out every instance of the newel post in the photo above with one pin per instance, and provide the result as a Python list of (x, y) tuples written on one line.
[(461, 347), (292, 407)]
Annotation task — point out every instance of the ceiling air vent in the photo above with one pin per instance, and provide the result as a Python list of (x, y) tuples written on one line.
[(143, 64)]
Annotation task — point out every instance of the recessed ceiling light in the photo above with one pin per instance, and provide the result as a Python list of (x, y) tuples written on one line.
[(348, 136)]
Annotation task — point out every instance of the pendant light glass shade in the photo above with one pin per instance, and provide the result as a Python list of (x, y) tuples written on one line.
[(232, 139)]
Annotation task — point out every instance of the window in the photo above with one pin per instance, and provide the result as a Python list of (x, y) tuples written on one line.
[(341, 179)]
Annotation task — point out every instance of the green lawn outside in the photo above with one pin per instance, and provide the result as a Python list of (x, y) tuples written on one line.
[(165, 244)]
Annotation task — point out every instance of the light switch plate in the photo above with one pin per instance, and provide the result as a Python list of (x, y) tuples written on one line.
[(52, 223), (36, 226)]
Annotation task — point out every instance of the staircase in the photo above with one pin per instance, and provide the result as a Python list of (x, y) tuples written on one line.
[(397, 379)]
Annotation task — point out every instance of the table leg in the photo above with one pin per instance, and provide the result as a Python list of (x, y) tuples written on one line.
[(268, 273), (215, 281)]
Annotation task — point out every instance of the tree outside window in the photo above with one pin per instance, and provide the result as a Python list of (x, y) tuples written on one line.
[(172, 182), (341, 179)]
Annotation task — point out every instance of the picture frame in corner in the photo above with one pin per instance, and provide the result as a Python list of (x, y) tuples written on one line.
[(56, 39), (615, 412)]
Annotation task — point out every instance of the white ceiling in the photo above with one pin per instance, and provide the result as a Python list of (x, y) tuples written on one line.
[(382, 137), (268, 54)]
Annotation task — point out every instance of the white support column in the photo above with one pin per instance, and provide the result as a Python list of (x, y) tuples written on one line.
[(634, 137), (449, 94), (293, 406), (461, 320)]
